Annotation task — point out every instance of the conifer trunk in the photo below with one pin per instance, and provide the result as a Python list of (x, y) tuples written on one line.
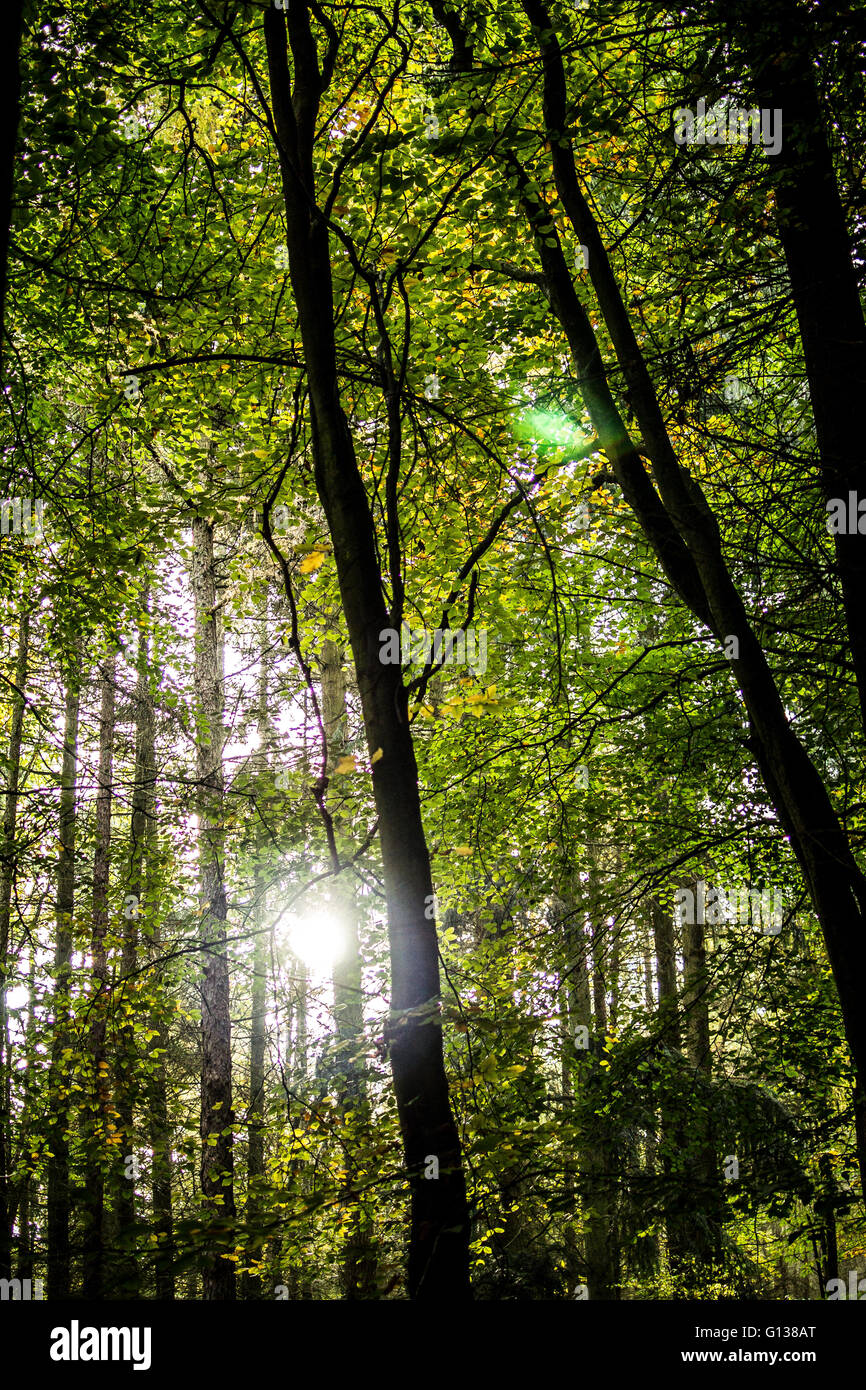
[(57, 1214), (217, 1155), (93, 1272), (7, 879)]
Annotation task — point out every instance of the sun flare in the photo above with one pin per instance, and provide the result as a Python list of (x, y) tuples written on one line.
[(317, 939)]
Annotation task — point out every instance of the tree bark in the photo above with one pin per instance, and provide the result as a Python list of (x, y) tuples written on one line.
[(818, 252), (7, 880), (597, 1149), (11, 29), (252, 1283), (145, 836), (685, 535), (358, 1264), (217, 1119), (439, 1236), (98, 1132), (57, 1215)]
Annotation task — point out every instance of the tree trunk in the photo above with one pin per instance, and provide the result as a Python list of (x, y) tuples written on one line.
[(818, 253), (665, 945), (439, 1237), (145, 834), (11, 28), (252, 1283), (685, 535), (7, 880), (577, 1008), (57, 1215), (127, 1272), (358, 1265), (673, 1143), (97, 1127), (217, 1158), (695, 1005), (598, 1156), (29, 1189)]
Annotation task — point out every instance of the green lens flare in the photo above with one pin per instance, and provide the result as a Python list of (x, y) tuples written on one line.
[(549, 427)]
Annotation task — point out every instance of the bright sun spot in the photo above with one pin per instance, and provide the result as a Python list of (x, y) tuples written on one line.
[(17, 997), (318, 940)]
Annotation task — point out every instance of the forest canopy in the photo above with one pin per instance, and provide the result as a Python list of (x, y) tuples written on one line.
[(432, 652)]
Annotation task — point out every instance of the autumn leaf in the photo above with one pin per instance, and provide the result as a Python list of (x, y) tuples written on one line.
[(311, 562)]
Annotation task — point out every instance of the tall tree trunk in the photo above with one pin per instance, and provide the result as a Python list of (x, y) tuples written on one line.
[(93, 1272), (818, 252), (653, 1246), (217, 1157), (11, 29), (705, 1177), (60, 1071), (664, 941), (695, 1005), (598, 1148), (28, 1186), (825, 1206), (683, 531), (358, 1266), (7, 879), (672, 1145), (252, 1283), (127, 1272), (578, 1021), (439, 1235), (145, 835)]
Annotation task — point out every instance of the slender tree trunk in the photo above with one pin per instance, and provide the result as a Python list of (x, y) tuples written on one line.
[(598, 1148), (664, 941), (439, 1235), (217, 1119), (818, 252), (145, 834), (683, 531), (695, 1005), (61, 1069), (7, 879), (704, 1171), (672, 1145), (826, 1208), (11, 29), (578, 1026), (252, 1283), (127, 1272), (160, 1140), (358, 1266), (653, 1245), (93, 1272), (28, 1194)]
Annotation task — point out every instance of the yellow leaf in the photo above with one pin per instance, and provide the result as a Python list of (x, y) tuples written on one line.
[(377, 755), (463, 849), (312, 561), (347, 764)]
